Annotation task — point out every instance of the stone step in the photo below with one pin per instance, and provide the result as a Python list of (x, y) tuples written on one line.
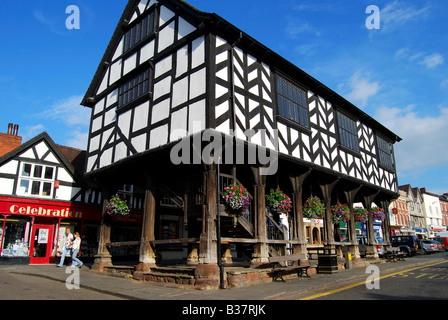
[(164, 277)]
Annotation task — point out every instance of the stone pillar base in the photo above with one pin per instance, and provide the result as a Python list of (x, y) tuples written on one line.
[(102, 261), (371, 253), (207, 277), (141, 269)]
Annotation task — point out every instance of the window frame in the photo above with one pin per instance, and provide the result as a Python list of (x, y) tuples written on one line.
[(130, 40), (381, 153), (343, 127), (42, 182), (300, 118), (146, 74)]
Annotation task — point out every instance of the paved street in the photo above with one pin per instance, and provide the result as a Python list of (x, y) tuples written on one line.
[(421, 283), (421, 277)]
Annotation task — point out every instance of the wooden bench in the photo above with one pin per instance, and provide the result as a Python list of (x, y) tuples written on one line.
[(280, 266), (394, 255)]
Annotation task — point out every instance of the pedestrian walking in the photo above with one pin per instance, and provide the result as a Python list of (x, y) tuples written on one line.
[(67, 247), (75, 248)]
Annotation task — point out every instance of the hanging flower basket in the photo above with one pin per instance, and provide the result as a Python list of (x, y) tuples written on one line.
[(378, 214), (340, 212), (313, 208), (236, 198), (360, 214), (278, 202), (117, 207)]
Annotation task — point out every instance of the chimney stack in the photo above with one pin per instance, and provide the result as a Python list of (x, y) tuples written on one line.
[(423, 190), (10, 140)]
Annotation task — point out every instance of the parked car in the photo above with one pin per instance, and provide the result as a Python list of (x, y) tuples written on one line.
[(407, 244), (441, 240), (429, 246), (363, 241)]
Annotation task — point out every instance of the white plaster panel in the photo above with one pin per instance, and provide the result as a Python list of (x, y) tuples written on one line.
[(10, 167), (163, 66), (103, 85), (182, 61), (97, 123), (106, 158), (119, 50), (112, 98), (63, 175), (94, 143), (166, 36), (197, 83), (198, 52), (6, 186), (115, 72), (162, 87), (160, 111), (159, 136), (184, 28), (180, 92), (120, 151), (139, 143), (165, 15), (99, 107), (124, 123), (41, 148), (110, 116), (141, 116), (178, 124), (147, 52), (196, 121), (130, 64)]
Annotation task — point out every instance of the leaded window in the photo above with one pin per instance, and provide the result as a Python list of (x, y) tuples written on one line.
[(348, 133), (133, 89), (292, 102), (385, 152), (139, 32)]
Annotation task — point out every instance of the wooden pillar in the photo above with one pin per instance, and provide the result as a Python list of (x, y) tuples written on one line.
[(327, 188), (103, 258), (147, 257), (207, 273), (371, 252), (298, 225), (350, 193), (261, 252), (386, 224)]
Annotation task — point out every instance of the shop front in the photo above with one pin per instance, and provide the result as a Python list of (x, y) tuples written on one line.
[(33, 230)]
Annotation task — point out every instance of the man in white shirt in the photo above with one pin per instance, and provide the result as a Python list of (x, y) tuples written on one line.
[(67, 248)]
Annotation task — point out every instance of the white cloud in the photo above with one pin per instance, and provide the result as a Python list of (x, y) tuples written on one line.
[(429, 61), (29, 132), (433, 60), (294, 29), (424, 144), (68, 111), (362, 89), (78, 140), (398, 14), (444, 84)]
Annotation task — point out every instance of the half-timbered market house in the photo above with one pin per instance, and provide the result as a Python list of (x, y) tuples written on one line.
[(176, 83)]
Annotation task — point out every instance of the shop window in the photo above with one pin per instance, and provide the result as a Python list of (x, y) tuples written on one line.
[(16, 237), (139, 32), (36, 180)]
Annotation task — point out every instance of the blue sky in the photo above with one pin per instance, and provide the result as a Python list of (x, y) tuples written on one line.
[(398, 73)]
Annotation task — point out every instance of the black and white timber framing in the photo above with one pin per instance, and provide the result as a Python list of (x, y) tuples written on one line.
[(191, 71)]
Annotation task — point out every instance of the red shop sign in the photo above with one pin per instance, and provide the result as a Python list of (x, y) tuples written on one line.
[(50, 209)]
